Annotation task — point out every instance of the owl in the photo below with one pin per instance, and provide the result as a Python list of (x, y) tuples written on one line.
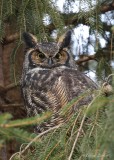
[(50, 79)]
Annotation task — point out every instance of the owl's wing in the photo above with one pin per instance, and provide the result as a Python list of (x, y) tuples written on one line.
[(69, 85), (91, 82), (76, 84)]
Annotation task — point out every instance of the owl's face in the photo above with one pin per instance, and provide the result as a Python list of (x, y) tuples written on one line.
[(47, 54)]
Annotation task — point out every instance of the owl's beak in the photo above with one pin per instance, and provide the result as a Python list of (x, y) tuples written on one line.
[(50, 61)]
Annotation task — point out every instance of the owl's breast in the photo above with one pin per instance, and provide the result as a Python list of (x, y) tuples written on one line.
[(51, 89), (40, 89)]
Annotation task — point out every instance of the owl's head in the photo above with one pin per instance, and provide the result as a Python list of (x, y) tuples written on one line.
[(48, 54)]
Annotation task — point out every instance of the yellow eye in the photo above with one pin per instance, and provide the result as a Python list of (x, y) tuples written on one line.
[(37, 57), (41, 55), (57, 56), (61, 56)]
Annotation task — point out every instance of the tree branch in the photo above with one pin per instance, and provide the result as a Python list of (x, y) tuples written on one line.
[(7, 106), (69, 19), (9, 87), (86, 58), (107, 7)]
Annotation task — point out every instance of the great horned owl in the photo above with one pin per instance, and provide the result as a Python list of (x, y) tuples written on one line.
[(50, 79)]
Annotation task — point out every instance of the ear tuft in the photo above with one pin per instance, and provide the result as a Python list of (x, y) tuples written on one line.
[(29, 39), (64, 40)]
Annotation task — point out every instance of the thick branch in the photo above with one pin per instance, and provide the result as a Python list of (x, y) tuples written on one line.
[(107, 7), (85, 59)]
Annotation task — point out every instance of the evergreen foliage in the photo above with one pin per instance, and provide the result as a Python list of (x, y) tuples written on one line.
[(89, 133), (12, 129), (29, 16)]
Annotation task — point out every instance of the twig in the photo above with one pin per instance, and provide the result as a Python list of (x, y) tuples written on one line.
[(52, 151), (78, 134), (5, 106), (41, 134), (111, 75), (49, 141), (103, 155), (80, 128), (17, 123), (17, 153), (9, 87), (75, 122), (93, 125)]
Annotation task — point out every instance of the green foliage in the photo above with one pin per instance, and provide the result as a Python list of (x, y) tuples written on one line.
[(103, 69), (13, 72), (9, 129), (29, 16), (99, 103)]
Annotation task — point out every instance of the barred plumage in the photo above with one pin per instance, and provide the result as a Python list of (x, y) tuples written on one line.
[(50, 79)]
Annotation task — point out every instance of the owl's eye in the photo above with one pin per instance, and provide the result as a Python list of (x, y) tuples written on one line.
[(57, 56), (37, 57), (61, 56), (41, 55)]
